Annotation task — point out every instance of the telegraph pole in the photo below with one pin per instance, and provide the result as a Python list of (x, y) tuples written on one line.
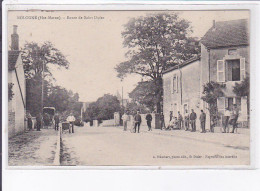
[(42, 85), (123, 96)]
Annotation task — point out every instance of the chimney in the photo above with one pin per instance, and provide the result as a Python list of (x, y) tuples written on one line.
[(15, 39), (214, 24)]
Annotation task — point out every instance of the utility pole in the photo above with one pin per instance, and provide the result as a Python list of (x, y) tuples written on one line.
[(122, 96), (42, 86)]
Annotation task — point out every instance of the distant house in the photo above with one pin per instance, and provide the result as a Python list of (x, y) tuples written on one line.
[(16, 82), (84, 107), (224, 59), (123, 102)]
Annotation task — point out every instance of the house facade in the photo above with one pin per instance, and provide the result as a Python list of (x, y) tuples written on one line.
[(16, 78), (181, 85), (224, 59)]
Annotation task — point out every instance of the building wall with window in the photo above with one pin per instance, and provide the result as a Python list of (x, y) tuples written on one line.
[(182, 90), (225, 59), (228, 65), (16, 106)]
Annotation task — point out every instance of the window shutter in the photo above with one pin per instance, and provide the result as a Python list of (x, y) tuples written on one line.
[(242, 68), (173, 84), (177, 83), (220, 71), (226, 103), (221, 104)]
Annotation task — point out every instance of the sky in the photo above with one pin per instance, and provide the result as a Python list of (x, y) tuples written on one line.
[(92, 43)]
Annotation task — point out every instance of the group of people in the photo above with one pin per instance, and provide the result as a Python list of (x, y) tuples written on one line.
[(175, 122), (188, 121), (39, 121), (230, 118), (137, 121), (30, 121)]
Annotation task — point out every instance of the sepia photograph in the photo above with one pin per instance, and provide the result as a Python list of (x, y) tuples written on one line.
[(128, 88)]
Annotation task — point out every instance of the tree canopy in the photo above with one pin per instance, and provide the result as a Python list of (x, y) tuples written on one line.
[(211, 92), (243, 88), (155, 43), (103, 109), (144, 94), (36, 58)]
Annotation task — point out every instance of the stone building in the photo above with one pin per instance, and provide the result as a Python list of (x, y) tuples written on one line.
[(16, 81), (181, 85), (224, 59)]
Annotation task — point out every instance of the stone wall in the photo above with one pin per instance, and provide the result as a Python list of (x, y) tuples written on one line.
[(11, 124)]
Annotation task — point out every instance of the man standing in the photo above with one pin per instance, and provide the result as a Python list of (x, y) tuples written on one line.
[(234, 117), (38, 121), (202, 121), (138, 121), (56, 121), (187, 120), (171, 115), (125, 118), (29, 121), (71, 120), (180, 120), (193, 117), (149, 119), (162, 121), (226, 120)]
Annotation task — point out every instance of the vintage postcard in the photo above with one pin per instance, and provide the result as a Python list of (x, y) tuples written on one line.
[(128, 88)]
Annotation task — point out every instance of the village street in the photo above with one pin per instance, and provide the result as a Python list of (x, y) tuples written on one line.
[(113, 146), (33, 148)]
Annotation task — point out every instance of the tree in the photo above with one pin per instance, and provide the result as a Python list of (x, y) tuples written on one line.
[(243, 90), (64, 101), (156, 42), (103, 109), (108, 105), (132, 107), (212, 91), (37, 58), (144, 94)]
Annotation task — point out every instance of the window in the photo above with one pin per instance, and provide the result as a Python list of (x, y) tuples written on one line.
[(220, 71), (233, 70), (228, 103), (242, 68), (175, 83), (175, 109)]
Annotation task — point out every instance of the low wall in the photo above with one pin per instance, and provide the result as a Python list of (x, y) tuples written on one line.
[(155, 122), (95, 123), (108, 123)]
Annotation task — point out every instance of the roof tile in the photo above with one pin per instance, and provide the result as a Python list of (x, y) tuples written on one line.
[(227, 33)]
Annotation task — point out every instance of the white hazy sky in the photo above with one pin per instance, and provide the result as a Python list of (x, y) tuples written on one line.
[(94, 46)]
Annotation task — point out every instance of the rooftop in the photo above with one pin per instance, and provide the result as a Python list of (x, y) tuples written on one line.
[(183, 64), (227, 33)]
